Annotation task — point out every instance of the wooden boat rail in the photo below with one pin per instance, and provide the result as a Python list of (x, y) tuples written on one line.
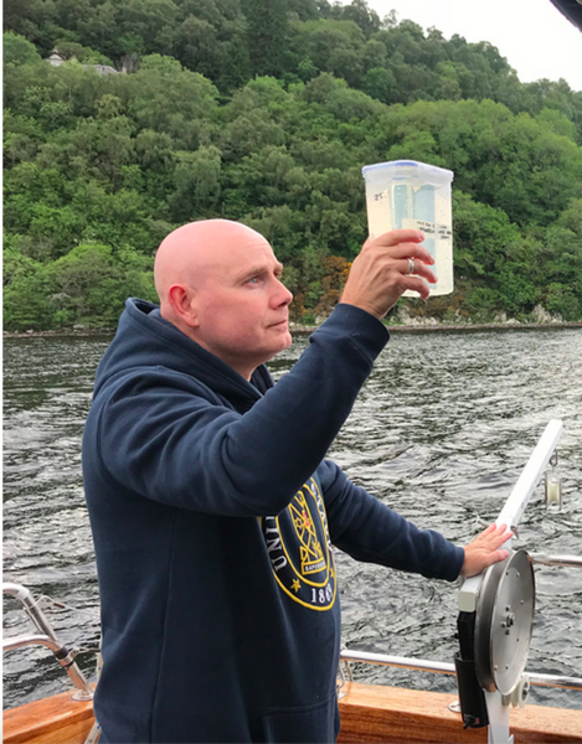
[(394, 715), (369, 713)]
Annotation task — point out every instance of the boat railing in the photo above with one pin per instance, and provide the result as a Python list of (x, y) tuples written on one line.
[(443, 667), (564, 561), (48, 638)]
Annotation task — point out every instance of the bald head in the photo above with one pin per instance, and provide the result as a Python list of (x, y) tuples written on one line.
[(220, 283), (191, 253)]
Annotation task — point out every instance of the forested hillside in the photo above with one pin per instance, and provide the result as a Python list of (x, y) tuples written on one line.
[(265, 111)]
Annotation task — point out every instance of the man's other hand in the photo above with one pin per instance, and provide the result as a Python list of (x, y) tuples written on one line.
[(484, 550)]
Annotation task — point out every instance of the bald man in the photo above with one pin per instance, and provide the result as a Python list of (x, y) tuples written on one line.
[(212, 505)]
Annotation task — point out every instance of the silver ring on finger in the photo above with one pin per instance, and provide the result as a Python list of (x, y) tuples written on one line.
[(410, 266)]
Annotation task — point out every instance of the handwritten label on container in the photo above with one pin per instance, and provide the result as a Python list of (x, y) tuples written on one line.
[(432, 230)]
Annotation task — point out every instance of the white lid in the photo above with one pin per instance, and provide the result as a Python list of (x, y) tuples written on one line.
[(403, 170)]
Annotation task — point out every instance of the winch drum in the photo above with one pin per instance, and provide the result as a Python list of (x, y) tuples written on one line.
[(504, 623)]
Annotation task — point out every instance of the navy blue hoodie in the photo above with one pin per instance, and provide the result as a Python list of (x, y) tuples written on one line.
[(213, 513)]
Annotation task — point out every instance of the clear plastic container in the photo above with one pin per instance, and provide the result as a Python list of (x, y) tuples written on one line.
[(409, 194)]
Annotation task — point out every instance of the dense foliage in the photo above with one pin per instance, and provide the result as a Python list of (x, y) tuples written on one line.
[(265, 111)]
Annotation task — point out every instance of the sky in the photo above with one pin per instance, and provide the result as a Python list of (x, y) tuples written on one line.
[(534, 37)]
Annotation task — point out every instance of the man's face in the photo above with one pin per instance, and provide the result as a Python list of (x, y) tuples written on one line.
[(241, 305)]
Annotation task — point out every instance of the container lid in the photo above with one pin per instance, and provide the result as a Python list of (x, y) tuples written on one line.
[(408, 169)]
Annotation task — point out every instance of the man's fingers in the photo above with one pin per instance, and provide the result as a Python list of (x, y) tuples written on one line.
[(403, 243), (485, 549), (416, 284), (401, 258), (501, 535), (421, 269), (394, 237), (499, 541), (385, 268), (401, 249), (496, 532)]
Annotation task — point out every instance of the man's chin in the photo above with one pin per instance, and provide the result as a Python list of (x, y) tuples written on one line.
[(285, 341)]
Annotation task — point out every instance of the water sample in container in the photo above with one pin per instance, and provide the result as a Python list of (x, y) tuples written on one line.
[(409, 194)]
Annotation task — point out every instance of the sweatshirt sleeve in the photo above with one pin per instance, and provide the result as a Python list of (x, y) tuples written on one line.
[(368, 530), (158, 439)]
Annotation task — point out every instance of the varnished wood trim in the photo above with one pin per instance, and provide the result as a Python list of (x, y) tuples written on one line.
[(369, 713), (394, 715), (54, 720)]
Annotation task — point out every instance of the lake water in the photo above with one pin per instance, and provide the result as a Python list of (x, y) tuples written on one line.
[(440, 432)]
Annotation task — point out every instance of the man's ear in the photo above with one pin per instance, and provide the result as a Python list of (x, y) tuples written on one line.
[(182, 299)]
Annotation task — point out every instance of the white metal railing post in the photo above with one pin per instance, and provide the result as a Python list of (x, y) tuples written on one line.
[(64, 656)]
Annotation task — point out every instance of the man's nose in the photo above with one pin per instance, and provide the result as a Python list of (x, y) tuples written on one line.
[(283, 295)]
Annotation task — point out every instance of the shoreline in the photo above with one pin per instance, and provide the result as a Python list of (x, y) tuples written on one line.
[(302, 330), (448, 327)]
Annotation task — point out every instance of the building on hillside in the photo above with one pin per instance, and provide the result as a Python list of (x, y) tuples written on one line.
[(104, 69), (56, 61)]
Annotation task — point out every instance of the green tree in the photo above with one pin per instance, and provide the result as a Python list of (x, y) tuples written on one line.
[(27, 289), (91, 288), (17, 50), (266, 32), (197, 184)]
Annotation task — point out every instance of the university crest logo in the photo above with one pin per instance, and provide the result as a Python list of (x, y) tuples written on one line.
[(300, 549)]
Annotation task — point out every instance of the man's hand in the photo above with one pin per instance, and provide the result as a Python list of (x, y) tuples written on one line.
[(483, 551), (382, 271)]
